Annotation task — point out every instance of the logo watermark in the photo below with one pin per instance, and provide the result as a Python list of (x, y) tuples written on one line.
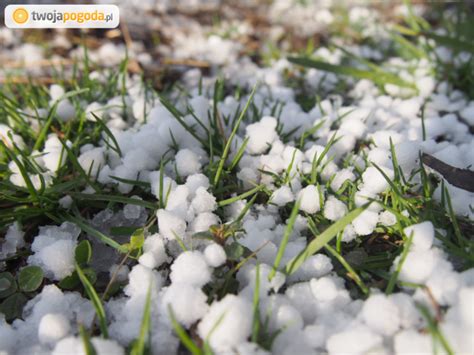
[(62, 16)]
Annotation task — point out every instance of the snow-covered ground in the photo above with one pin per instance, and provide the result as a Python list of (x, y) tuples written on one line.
[(237, 270)]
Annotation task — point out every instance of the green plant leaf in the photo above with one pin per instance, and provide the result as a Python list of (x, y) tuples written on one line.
[(137, 239), (379, 77), (96, 302), (286, 237), (70, 282), (12, 307), (183, 335), (7, 284), (30, 278), (86, 340), (320, 241), (139, 346), (83, 252)]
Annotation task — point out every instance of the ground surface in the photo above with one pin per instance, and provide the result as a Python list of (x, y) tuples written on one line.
[(268, 177)]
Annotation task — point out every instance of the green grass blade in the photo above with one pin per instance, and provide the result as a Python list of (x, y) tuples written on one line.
[(286, 237), (241, 196), (139, 346), (183, 335), (353, 275), (378, 77), (86, 340), (95, 233), (225, 153), (324, 238), (96, 302), (114, 198)]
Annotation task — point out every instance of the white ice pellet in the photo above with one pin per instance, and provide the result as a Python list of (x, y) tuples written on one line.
[(422, 235), (234, 316), (203, 201), (261, 135), (324, 289), (187, 162), (191, 268), (411, 341), (101, 346), (387, 218), (92, 161), (187, 302), (334, 209), (309, 199), (282, 196), (341, 177), (365, 223), (215, 255), (170, 225), (418, 266), (52, 328), (374, 181), (381, 314), (355, 340)]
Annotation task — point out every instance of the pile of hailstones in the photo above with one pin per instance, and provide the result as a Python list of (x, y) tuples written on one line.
[(311, 309)]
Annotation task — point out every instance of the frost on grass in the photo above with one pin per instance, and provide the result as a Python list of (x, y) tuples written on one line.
[(183, 201)]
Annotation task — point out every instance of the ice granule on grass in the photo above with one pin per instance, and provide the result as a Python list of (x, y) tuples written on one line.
[(187, 163), (365, 223), (233, 317), (381, 314), (315, 266), (13, 240), (261, 135), (177, 201), (334, 209), (355, 340), (411, 341), (155, 245), (203, 222), (188, 303), (6, 132), (54, 250), (72, 345), (191, 268), (418, 265), (53, 327), (309, 199), (422, 235), (282, 196), (374, 181), (92, 161), (387, 218), (203, 201), (324, 289), (54, 155), (215, 255), (140, 279), (195, 181), (170, 225), (341, 177), (120, 274)]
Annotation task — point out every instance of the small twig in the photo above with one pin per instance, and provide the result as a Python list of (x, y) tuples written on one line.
[(462, 178)]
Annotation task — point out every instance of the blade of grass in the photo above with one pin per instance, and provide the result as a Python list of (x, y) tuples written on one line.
[(286, 237), (140, 345), (86, 340), (379, 77), (183, 335), (241, 196), (96, 302), (320, 241), (95, 233), (225, 153)]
